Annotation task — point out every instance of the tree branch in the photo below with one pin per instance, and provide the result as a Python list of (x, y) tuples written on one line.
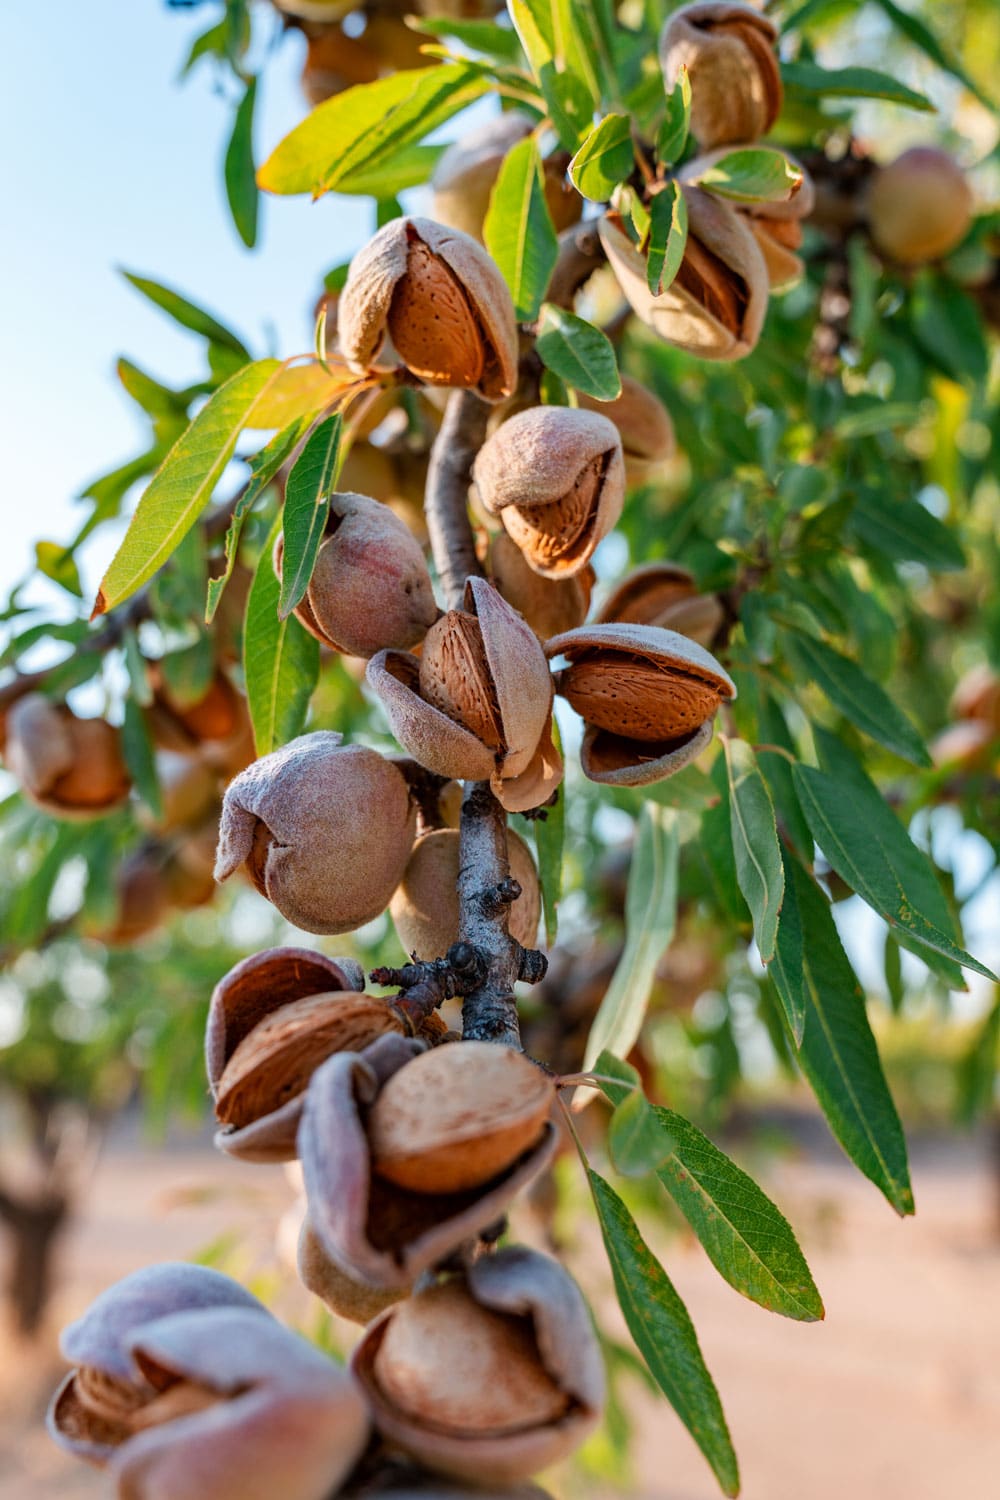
[(485, 887)]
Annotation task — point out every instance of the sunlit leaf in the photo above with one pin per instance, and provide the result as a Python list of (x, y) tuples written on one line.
[(307, 505), (518, 230), (753, 175), (280, 660), (578, 353), (606, 158), (668, 229)]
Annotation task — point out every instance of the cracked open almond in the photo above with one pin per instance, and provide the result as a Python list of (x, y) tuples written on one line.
[(549, 605), (647, 696), (477, 705), (488, 1376), (458, 1116), (729, 52), (645, 425), (716, 305), (440, 298), (665, 594), (556, 478)]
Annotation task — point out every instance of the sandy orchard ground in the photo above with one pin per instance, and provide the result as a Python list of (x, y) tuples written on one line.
[(895, 1397)]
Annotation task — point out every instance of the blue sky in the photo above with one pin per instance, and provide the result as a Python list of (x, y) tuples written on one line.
[(110, 163)]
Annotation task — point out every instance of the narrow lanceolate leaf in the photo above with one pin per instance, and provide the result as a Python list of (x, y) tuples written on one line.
[(137, 748), (673, 134), (913, 27), (650, 918), (307, 505), (518, 230), (578, 353), (664, 1334), (668, 229), (837, 1052), (183, 485), (302, 390), (280, 660), (745, 1235), (187, 314), (857, 697), (851, 83), (241, 181), (638, 1140), (755, 844), (753, 175), (869, 848), (777, 772), (605, 159), (906, 530), (550, 835), (365, 127), (263, 469), (58, 563)]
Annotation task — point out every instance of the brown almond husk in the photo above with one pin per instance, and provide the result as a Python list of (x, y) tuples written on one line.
[(729, 52), (549, 605)]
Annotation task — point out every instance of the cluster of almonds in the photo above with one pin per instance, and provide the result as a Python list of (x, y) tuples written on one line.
[(74, 769)]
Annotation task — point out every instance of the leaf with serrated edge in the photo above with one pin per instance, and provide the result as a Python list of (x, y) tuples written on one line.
[(664, 1334), (183, 484), (755, 844), (650, 919), (307, 506), (579, 353), (668, 229), (280, 660), (518, 230), (837, 1052), (745, 1235)]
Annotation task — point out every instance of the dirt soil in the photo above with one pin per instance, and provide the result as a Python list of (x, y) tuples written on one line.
[(895, 1397)]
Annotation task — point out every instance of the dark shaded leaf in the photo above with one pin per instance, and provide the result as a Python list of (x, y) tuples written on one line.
[(311, 482), (240, 173), (755, 844), (280, 660), (857, 697)]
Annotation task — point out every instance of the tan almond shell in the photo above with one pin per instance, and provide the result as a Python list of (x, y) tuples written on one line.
[(374, 272), (524, 1284), (72, 768), (549, 605), (277, 1395), (319, 800), (370, 588), (425, 908), (731, 100), (919, 206), (784, 267), (643, 422), (523, 687), (456, 1117), (665, 594), (378, 1233), (342, 1294), (676, 316), (620, 761), (536, 457), (255, 989)]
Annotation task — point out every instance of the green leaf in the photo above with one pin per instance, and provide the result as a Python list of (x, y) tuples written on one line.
[(673, 134), (605, 159), (263, 469), (184, 483), (578, 352), (57, 562), (550, 833), (280, 660), (668, 229), (498, 42), (753, 175), (856, 696), (307, 506), (664, 1334), (638, 1141), (241, 181), (366, 127), (27, 915), (745, 1235), (410, 167), (187, 314), (518, 230), (906, 530), (777, 772), (850, 83), (837, 1052), (570, 106), (878, 416), (892, 967), (869, 848), (913, 27), (755, 844), (650, 918), (140, 757), (533, 25)]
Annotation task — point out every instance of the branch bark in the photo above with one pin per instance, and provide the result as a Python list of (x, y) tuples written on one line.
[(485, 887)]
